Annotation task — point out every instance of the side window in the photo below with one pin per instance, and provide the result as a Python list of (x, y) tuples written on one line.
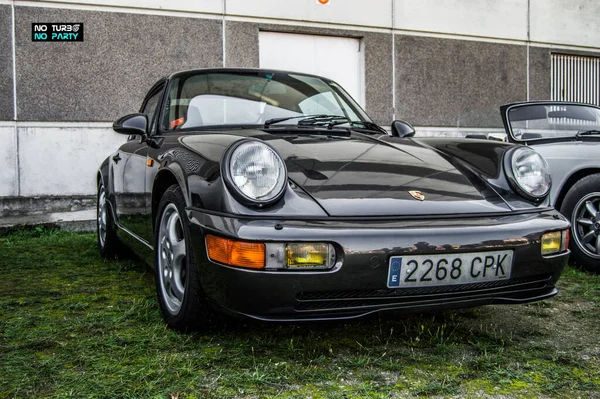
[(151, 110)]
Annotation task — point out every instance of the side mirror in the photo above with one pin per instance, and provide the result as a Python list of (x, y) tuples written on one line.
[(133, 124), (402, 129)]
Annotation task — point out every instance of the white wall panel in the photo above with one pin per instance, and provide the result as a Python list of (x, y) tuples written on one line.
[(8, 162), (60, 160), (353, 12), (205, 6), (571, 22), (336, 58), (503, 19)]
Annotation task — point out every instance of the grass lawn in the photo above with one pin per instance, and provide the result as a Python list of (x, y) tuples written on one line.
[(75, 325)]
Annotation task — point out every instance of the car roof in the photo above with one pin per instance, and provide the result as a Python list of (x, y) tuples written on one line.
[(236, 70)]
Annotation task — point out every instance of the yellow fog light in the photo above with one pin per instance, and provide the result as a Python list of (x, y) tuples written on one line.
[(309, 255), (552, 242)]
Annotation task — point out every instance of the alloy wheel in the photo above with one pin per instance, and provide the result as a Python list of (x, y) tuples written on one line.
[(102, 216), (586, 224), (171, 258)]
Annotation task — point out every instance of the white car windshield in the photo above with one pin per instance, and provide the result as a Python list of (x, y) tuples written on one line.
[(253, 98)]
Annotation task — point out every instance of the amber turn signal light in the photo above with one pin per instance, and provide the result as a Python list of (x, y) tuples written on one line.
[(236, 253)]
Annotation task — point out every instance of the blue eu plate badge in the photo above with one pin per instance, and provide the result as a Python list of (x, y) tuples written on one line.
[(394, 272)]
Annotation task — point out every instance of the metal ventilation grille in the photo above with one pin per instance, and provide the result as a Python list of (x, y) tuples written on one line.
[(575, 78)]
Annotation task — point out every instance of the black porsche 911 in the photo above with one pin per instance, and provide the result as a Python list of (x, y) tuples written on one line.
[(272, 195)]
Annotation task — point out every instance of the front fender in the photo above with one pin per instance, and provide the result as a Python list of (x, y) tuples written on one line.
[(485, 159), (200, 180), (103, 173)]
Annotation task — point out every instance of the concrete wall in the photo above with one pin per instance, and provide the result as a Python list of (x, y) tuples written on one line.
[(570, 22), (199, 6), (6, 65), (447, 82), (109, 73), (505, 19), (539, 73), (561, 22), (53, 158), (47, 165), (349, 12), (8, 160), (444, 65)]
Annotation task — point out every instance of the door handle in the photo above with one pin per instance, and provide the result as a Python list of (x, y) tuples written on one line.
[(117, 158)]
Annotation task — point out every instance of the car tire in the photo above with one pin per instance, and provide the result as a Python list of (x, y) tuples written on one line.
[(182, 301), (582, 207), (108, 243)]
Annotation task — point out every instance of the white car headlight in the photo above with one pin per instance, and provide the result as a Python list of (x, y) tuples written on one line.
[(255, 171), (530, 173)]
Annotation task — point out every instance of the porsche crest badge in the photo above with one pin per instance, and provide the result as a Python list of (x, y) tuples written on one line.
[(417, 195)]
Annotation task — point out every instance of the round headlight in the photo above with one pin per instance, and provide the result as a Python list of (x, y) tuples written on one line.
[(531, 173), (256, 172)]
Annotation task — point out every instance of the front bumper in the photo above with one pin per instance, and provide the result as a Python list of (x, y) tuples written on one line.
[(359, 286)]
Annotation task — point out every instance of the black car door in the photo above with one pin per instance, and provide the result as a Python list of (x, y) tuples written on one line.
[(129, 168)]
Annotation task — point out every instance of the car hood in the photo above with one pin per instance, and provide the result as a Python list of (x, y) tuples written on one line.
[(360, 175)]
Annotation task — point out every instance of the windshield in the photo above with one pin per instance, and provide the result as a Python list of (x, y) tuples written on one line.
[(252, 98), (547, 121)]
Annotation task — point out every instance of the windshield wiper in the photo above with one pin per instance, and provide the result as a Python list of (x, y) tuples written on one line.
[(583, 133), (363, 124), (329, 120), (269, 122)]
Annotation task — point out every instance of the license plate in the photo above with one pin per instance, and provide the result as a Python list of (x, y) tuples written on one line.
[(445, 269)]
